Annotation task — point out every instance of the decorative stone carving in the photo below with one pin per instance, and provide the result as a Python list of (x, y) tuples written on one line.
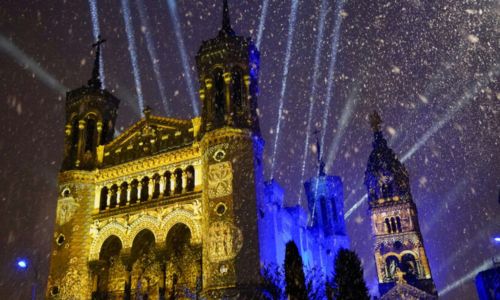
[(66, 208), (225, 241), (220, 180)]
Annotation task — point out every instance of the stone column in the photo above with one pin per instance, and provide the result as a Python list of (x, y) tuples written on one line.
[(209, 104), (184, 180), (108, 199), (151, 188), (139, 190), (99, 132), (129, 188)]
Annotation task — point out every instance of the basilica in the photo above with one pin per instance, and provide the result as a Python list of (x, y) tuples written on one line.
[(179, 208)]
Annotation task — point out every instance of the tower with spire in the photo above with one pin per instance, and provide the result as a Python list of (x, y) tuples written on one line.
[(90, 119), (400, 256)]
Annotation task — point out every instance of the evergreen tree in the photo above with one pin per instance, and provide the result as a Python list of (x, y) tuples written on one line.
[(295, 283), (348, 281)]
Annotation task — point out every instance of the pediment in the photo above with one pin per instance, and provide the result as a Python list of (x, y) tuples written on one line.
[(147, 137), (406, 292)]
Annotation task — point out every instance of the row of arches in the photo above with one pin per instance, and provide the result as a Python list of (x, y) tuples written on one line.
[(147, 188), (393, 225), (149, 269)]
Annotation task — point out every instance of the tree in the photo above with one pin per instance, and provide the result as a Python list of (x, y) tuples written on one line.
[(295, 286), (348, 282)]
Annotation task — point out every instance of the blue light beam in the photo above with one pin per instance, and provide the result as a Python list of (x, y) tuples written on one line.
[(96, 33), (331, 66), (133, 53), (172, 8), (344, 121), (312, 95), (469, 276), (291, 29), (155, 62), (27, 62), (262, 22)]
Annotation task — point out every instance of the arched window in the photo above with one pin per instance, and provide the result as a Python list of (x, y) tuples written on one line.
[(178, 181), (388, 225), (104, 198), (219, 97), (236, 90), (144, 189), (90, 134), (114, 194), (104, 133), (409, 267), (123, 194), (133, 191), (74, 137), (166, 191), (156, 187), (190, 178), (393, 225), (398, 223)]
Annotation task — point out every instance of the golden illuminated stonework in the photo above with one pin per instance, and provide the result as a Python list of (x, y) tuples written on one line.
[(162, 209)]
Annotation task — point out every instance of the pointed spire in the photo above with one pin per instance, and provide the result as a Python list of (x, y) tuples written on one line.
[(375, 121), (376, 124), (226, 21), (95, 81)]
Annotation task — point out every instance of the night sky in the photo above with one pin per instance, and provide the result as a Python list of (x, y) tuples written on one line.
[(431, 68)]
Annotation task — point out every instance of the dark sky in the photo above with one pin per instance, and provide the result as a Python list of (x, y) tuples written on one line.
[(431, 68)]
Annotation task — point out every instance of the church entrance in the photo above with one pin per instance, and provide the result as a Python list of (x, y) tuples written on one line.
[(183, 267)]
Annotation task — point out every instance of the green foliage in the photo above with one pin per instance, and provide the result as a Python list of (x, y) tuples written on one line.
[(348, 283), (272, 283), (295, 286)]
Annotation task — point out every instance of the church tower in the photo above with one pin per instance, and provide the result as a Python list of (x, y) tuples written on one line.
[(230, 139), (400, 255), (90, 120)]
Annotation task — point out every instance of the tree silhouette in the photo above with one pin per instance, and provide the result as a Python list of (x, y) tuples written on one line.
[(294, 273), (348, 282)]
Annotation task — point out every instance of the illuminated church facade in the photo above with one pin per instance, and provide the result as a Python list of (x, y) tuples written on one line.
[(179, 208)]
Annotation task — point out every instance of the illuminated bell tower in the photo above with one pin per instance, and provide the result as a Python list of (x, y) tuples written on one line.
[(90, 120), (399, 249), (230, 140)]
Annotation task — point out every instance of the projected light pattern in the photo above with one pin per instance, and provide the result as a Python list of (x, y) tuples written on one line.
[(155, 62), (172, 8), (27, 62), (291, 29), (133, 53), (312, 95), (262, 22), (96, 33), (331, 67)]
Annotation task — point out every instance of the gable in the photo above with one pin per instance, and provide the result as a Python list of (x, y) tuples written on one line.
[(149, 136)]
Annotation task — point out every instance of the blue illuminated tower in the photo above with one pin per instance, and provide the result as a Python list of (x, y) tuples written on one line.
[(326, 224), (400, 256)]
